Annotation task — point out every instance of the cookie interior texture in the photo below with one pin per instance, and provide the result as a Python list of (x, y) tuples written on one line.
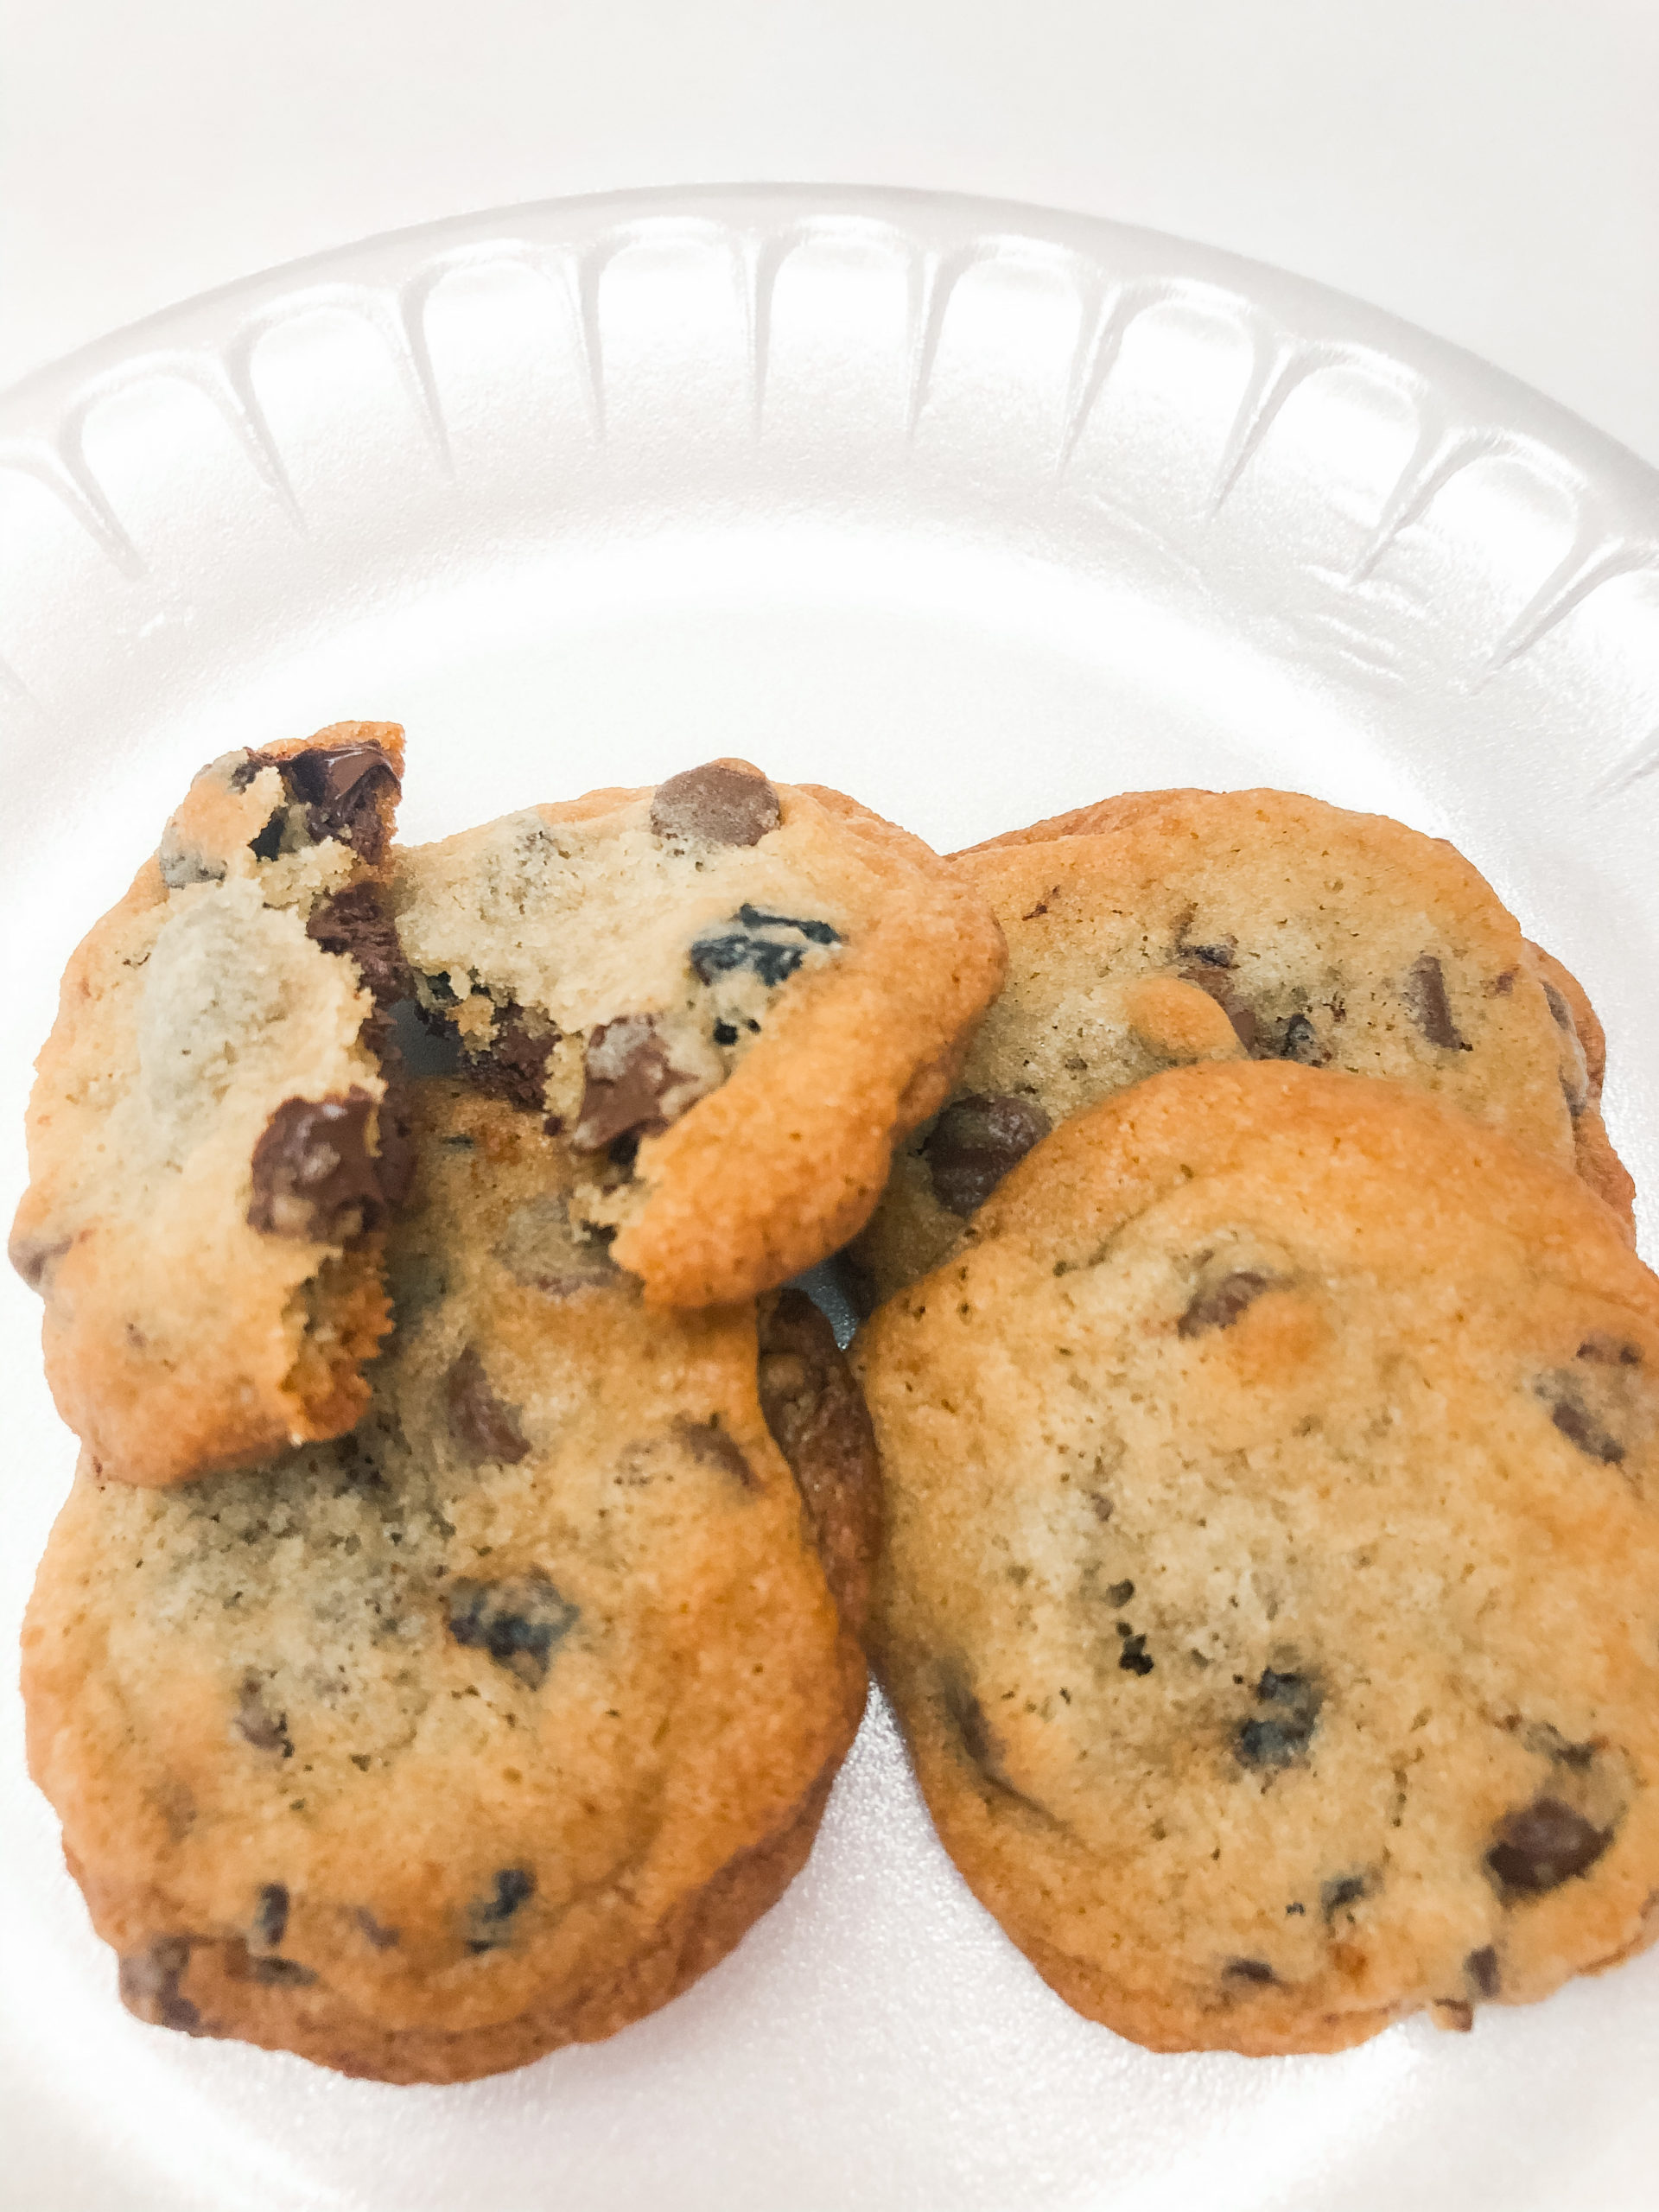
[(491, 1726), (1169, 928), (213, 1150), (730, 997), (1271, 1596)]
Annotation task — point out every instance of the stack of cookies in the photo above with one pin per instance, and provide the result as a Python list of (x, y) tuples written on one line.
[(458, 1618)]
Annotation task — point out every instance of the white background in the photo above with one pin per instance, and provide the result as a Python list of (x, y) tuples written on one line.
[(1489, 168)]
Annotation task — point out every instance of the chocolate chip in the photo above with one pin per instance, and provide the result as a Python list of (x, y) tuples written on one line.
[(1424, 996), (717, 803), (514, 1887), (1542, 1845), (1281, 1739), (35, 1261), (384, 1939), (1213, 956), (1559, 1008), (1135, 1658), (1336, 1895), (1563, 1392), (1210, 975), (967, 1716), (282, 1973), (710, 1444), (256, 1723), (519, 1622), (313, 1175), (626, 1083), (1254, 1970), (1220, 1305), (481, 1423), (1120, 1593), (268, 844), (149, 1984), (1480, 1970), (818, 1422), (771, 946), (513, 1064), (353, 924), (1604, 1351), (1300, 1042), (270, 1915), (975, 1143)]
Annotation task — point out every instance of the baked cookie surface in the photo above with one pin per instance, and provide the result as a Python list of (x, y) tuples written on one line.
[(212, 1152), (1271, 1591), (1168, 928), (491, 1726), (732, 997)]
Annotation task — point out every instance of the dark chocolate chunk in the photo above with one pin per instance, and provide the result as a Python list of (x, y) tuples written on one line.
[(341, 787), (818, 1420), (519, 1622), (313, 1175), (270, 1915), (772, 946), (481, 1423), (514, 1887), (267, 845), (1212, 975), (513, 1064), (1135, 1658), (707, 1442), (1283, 1737), (975, 1143), (1300, 1042), (718, 804), (1480, 1970), (625, 1081), (256, 1723), (1256, 1970), (353, 924), (1220, 1305), (1424, 996), (1543, 1845), (149, 1984)]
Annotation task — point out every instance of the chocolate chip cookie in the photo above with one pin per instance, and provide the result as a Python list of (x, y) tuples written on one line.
[(1169, 928), (491, 1725), (731, 998), (1271, 1594), (213, 1148)]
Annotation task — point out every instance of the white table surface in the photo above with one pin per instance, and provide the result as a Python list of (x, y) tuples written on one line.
[(1489, 168)]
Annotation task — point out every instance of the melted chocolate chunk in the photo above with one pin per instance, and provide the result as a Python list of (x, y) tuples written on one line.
[(1283, 1737), (1480, 1971), (149, 1984), (707, 1442), (514, 1887), (313, 1175), (716, 803), (975, 1143), (256, 1723), (519, 1622), (1542, 1845), (1220, 1305), (771, 946), (1300, 1042), (354, 925), (819, 1422), (1426, 999), (339, 788), (481, 1423), (513, 1064), (627, 1084), (270, 1915)]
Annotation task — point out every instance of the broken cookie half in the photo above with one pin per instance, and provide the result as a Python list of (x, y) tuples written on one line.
[(215, 1133), (731, 998)]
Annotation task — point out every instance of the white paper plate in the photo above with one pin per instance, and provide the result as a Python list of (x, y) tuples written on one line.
[(979, 512)]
